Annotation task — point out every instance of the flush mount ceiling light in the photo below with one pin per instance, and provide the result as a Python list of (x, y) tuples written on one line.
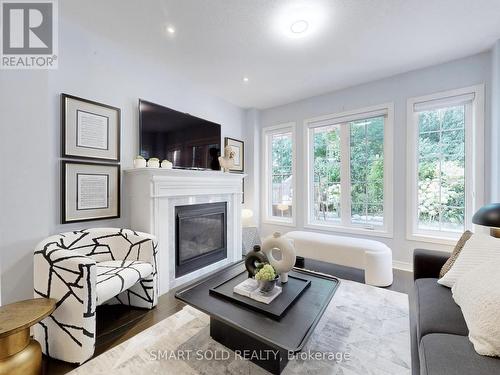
[(299, 27), (245, 79), (170, 29), (300, 20)]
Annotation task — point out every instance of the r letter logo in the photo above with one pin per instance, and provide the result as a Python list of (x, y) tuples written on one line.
[(29, 34)]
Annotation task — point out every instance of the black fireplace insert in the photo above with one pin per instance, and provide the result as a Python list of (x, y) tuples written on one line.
[(200, 236)]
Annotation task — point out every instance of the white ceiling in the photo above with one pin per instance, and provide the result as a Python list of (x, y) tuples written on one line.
[(218, 42)]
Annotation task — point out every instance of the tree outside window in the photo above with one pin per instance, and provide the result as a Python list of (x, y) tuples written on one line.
[(441, 169), (282, 175)]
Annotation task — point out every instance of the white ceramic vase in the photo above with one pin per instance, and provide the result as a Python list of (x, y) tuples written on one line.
[(166, 164), (139, 162), (287, 250), (153, 163)]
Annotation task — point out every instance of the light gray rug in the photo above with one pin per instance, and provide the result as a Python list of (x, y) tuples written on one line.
[(365, 330)]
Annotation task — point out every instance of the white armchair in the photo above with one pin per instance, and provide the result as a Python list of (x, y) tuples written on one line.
[(84, 269)]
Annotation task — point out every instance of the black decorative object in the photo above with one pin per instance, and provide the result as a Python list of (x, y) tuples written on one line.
[(253, 259), (299, 261), (489, 216)]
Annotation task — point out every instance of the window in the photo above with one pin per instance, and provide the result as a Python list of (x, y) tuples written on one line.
[(444, 169), (279, 173), (367, 171), (349, 172), (326, 165)]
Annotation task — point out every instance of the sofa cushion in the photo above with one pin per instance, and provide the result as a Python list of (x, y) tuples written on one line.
[(478, 296), (436, 311), (445, 354), (115, 276), (479, 249), (456, 252)]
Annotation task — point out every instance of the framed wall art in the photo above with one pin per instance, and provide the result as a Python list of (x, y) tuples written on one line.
[(89, 191), (239, 153), (89, 130)]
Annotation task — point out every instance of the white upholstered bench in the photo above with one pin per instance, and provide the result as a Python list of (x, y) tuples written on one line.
[(374, 257)]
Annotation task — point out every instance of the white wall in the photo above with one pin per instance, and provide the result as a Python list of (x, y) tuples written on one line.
[(495, 123), (465, 72), (252, 161), (24, 165), (93, 68)]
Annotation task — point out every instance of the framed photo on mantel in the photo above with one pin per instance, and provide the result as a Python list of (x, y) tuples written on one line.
[(238, 148), (89, 191), (89, 130)]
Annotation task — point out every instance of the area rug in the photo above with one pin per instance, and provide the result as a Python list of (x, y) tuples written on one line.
[(365, 330)]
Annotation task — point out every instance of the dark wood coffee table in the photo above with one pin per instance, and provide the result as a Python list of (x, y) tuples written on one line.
[(253, 335)]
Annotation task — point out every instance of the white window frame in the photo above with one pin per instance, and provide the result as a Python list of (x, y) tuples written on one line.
[(474, 162), (345, 225), (267, 133)]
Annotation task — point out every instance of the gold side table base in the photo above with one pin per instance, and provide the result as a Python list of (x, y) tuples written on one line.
[(20, 355)]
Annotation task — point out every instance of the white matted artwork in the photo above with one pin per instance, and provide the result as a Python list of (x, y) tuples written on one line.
[(89, 191), (90, 130), (238, 147)]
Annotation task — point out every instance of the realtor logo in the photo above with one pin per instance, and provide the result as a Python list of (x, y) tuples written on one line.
[(29, 34)]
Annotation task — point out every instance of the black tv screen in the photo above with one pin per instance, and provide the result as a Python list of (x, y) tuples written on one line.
[(185, 140)]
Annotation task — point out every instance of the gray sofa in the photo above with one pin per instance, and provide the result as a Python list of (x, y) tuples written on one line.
[(439, 341)]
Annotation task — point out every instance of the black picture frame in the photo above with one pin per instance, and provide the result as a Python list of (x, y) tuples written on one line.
[(65, 153), (64, 195), (227, 142)]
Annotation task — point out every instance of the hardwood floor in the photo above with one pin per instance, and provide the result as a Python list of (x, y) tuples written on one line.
[(116, 324)]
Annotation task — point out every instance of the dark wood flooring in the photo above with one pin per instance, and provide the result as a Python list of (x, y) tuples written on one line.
[(116, 324)]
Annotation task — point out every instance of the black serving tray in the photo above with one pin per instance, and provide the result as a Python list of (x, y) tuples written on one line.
[(290, 292)]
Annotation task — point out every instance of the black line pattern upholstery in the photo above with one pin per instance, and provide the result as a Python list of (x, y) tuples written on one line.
[(83, 269)]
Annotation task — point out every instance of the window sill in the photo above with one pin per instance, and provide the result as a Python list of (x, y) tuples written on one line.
[(277, 221), (433, 239), (351, 230)]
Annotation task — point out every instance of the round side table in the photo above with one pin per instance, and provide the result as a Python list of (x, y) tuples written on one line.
[(19, 354)]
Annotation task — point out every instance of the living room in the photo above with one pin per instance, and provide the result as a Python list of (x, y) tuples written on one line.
[(156, 155)]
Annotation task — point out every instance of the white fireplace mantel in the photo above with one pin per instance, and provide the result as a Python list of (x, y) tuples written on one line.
[(152, 195)]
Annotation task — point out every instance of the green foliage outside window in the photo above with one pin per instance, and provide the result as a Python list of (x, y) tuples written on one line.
[(441, 169), (366, 171), (282, 188)]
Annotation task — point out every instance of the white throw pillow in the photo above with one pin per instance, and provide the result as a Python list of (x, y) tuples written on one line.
[(478, 294), (478, 249)]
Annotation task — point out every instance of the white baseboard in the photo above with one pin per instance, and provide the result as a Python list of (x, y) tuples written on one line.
[(404, 266)]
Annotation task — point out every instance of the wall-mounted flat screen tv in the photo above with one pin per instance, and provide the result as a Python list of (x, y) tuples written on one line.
[(187, 141)]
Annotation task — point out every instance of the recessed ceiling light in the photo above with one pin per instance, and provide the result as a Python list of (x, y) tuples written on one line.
[(171, 29), (245, 79), (299, 26)]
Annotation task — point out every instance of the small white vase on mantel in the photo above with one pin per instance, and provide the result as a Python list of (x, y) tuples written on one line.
[(166, 164), (139, 162), (153, 163)]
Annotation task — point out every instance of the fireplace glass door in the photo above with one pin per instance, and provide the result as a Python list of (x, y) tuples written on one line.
[(201, 236)]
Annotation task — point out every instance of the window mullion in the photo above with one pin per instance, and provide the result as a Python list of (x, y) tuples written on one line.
[(345, 175)]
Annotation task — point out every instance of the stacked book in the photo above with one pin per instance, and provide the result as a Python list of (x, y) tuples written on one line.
[(250, 288)]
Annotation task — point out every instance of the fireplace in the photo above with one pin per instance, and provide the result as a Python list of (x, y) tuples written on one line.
[(200, 236)]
